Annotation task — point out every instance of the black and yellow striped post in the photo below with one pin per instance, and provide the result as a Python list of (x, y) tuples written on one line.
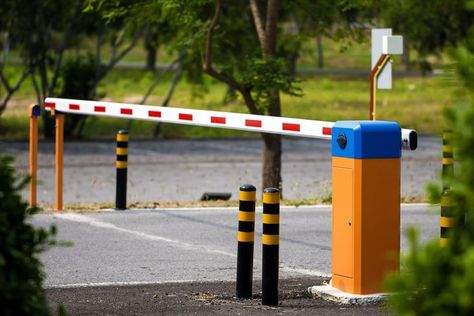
[(245, 238), (121, 165), (270, 245), (447, 216)]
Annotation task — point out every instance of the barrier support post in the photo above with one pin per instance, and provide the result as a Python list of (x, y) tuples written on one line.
[(446, 220), (270, 245), (245, 241), (59, 149), (34, 113), (121, 165), (374, 73)]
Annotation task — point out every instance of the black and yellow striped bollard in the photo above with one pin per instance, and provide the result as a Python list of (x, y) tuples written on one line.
[(447, 217), (121, 165), (245, 238), (270, 245)]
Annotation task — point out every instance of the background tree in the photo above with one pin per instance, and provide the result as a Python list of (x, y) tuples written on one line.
[(42, 43), (428, 26), (9, 83), (250, 46)]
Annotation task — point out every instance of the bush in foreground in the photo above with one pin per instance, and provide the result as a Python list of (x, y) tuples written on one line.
[(440, 280), (21, 273)]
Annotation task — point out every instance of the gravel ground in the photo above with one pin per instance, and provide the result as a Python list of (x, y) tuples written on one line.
[(209, 298), (182, 170)]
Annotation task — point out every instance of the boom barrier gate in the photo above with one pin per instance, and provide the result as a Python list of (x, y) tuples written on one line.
[(366, 177)]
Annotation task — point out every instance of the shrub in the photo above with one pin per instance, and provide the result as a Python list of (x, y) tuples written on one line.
[(21, 273), (440, 280)]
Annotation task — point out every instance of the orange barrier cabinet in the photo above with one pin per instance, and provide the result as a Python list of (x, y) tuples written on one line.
[(366, 204)]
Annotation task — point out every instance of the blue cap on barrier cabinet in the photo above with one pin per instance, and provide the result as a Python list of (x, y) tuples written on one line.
[(366, 139)]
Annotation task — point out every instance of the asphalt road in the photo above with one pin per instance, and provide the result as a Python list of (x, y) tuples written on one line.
[(182, 170), (186, 245)]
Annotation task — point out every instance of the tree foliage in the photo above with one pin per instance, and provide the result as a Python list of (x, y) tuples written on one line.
[(440, 280), (429, 25), (21, 273)]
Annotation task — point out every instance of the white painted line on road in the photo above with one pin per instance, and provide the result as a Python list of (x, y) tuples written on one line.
[(292, 208), (76, 285), (177, 243)]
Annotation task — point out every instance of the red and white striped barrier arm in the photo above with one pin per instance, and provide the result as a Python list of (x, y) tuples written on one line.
[(245, 122)]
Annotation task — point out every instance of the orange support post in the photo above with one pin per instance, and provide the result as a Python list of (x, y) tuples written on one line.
[(59, 160), (34, 112), (374, 74)]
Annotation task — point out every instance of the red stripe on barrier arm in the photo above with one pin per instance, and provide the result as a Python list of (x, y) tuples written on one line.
[(126, 111), (50, 105), (154, 113), (218, 119), (76, 107), (291, 127), (185, 117), (253, 123), (98, 108), (327, 131)]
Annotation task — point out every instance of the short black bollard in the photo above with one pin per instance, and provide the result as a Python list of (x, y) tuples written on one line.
[(270, 245), (446, 220), (245, 241), (121, 165)]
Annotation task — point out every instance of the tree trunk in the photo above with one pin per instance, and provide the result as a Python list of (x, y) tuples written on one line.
[(319, 46), (406, 56), (151, 46), (150, 59), (271, 168)]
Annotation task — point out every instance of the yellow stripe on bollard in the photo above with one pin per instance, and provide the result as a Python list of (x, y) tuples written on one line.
[(443, 242), (270, 239), (447, 148), (447, 201), (121, 164), (247, 195), (447, 161), (271, 198), (121, 151), (271, 219), (446, 221), (122, 137), (246, 216), (245, 236)]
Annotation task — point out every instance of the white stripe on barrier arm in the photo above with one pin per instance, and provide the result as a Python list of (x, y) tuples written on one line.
[(245, 122)]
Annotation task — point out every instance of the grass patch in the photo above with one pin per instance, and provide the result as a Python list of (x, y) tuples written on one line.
[(85, 208)]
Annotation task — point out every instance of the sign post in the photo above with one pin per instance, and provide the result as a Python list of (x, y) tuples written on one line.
[(383, 46)]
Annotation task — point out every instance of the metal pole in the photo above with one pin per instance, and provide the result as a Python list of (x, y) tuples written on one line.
[(35, 111), (59, 148), (446, 220), (121, 165), (245, 241), (270, 245), (379, 66)]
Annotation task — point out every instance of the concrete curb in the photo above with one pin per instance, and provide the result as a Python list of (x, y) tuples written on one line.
[(330, 293)]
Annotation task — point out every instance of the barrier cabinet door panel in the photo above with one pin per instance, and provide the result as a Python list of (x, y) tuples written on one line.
[(343, 206)]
